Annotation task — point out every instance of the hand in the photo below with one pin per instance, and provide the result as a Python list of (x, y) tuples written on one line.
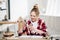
[(39, 31), (20, 31), (30, 27), (33, 31)]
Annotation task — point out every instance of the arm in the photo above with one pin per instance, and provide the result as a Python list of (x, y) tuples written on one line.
[(41, 30), (21, 24), (19, 28)]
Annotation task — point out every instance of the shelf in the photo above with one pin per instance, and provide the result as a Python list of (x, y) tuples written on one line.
[(7, 22)]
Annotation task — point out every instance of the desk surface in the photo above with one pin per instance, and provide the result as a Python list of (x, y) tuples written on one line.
[(26, 38)]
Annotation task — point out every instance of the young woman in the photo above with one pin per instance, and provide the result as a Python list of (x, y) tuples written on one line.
[(35, 25)]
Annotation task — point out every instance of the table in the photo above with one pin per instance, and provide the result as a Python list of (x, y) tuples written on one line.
[(26, 38)]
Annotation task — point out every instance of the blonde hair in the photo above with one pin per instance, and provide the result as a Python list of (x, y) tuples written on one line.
[(35, 9)]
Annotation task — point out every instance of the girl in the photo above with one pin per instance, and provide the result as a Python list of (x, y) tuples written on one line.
[(35, 25)]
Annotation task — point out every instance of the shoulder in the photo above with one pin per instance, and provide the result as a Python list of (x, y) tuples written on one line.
[(40, 21), (28, 22)]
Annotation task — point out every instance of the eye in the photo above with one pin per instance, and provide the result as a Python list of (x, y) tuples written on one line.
[(33, 16), (30, 15)]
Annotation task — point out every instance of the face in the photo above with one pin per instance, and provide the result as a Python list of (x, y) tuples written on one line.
[(33, 16)]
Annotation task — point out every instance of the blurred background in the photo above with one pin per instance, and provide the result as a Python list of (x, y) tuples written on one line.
[(49, 11)]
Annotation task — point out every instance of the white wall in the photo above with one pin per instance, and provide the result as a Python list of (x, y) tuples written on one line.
[(31, 3), (58, 7), (41, 4), (18, 8), (53, 8), (23, 7)]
